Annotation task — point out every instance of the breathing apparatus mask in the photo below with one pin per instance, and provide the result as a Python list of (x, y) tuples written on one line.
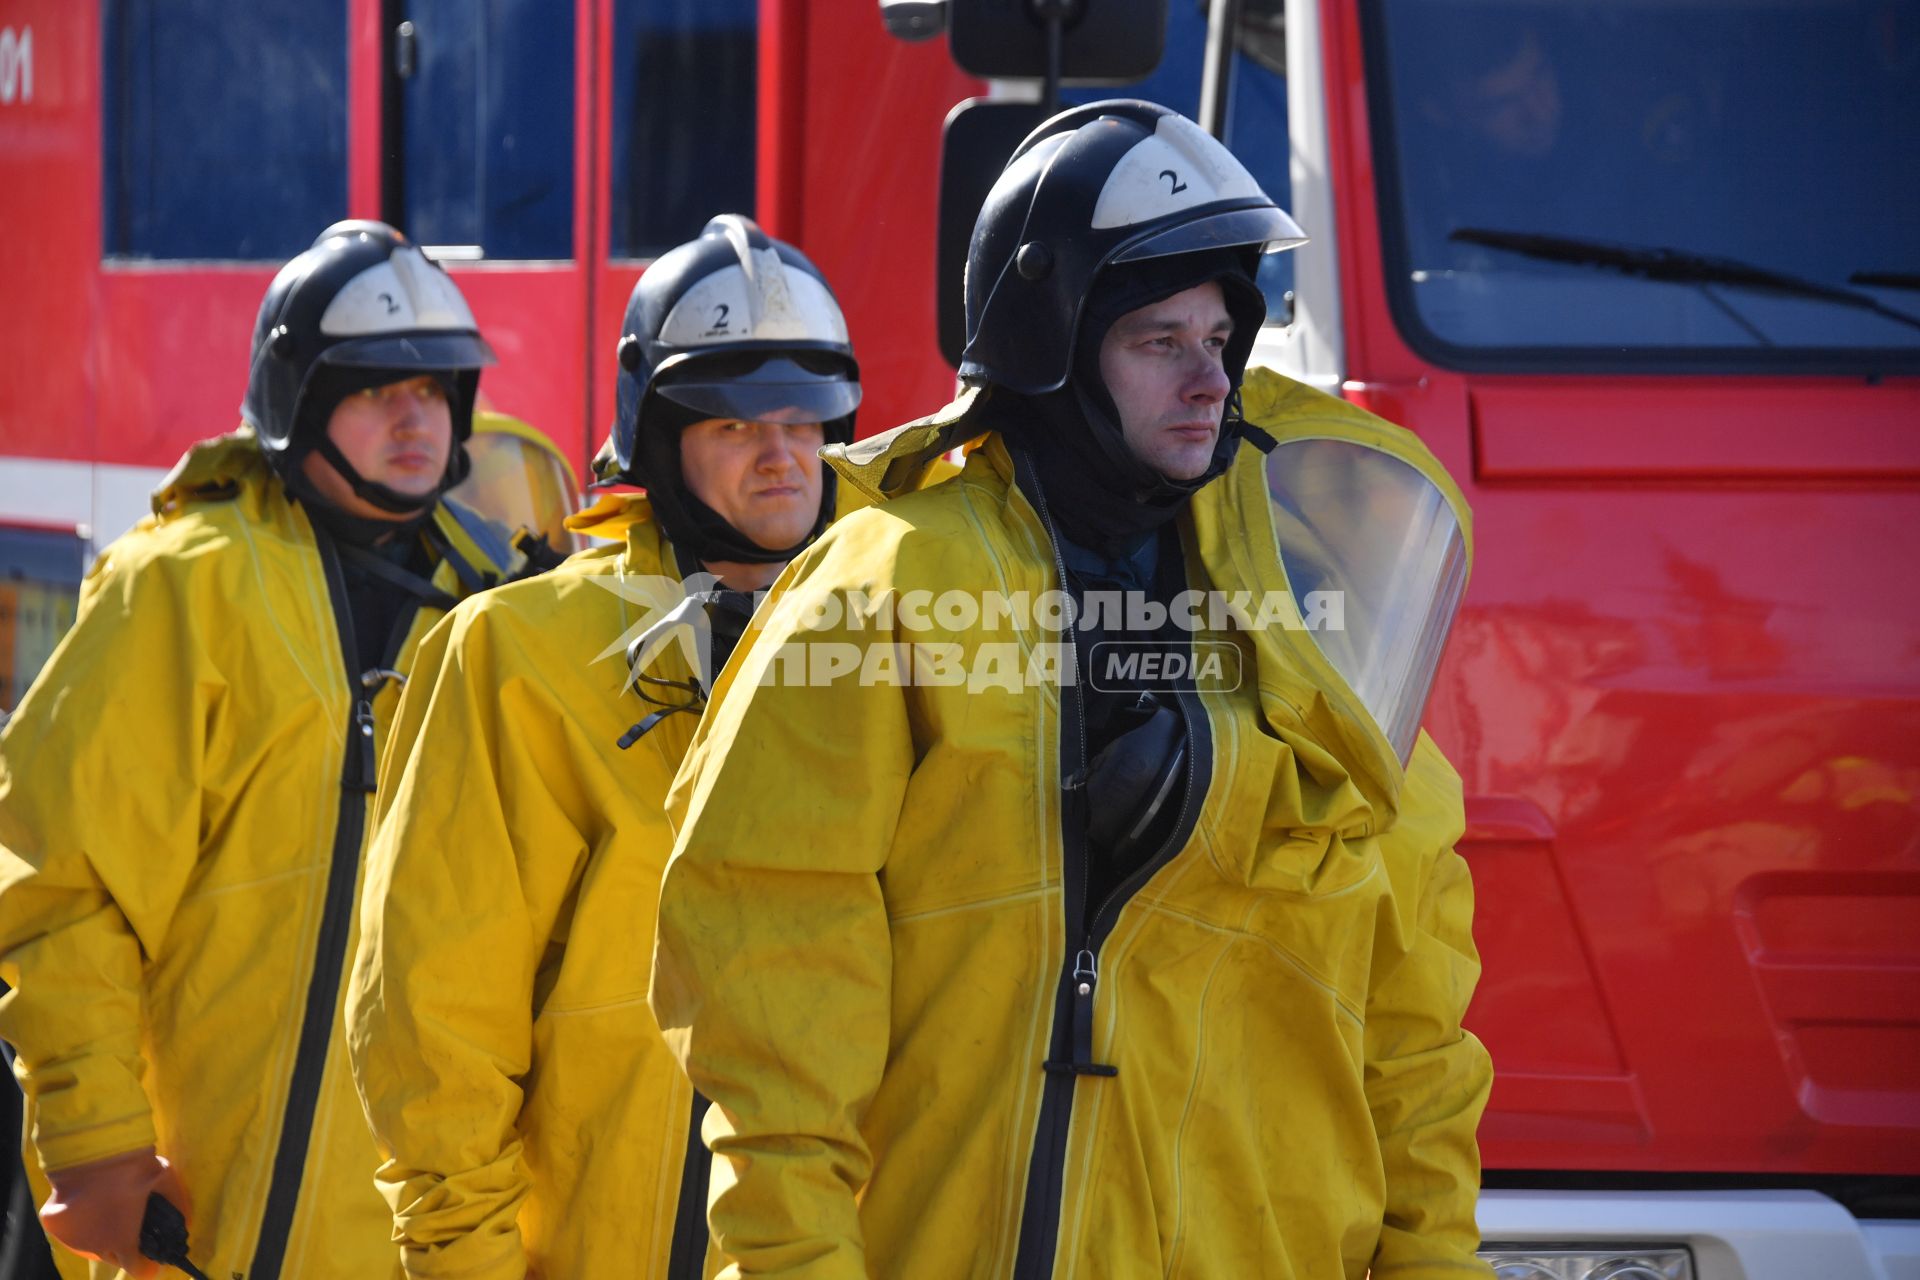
[(1133, 779)]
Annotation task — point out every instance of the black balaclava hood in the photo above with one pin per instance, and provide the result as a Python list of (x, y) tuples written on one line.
[(1101, 495), (696, 529), (328, 386)]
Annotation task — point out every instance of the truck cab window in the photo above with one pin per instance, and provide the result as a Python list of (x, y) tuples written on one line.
[(1662, 184)]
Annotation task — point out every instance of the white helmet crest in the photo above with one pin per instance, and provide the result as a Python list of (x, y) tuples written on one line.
[(758, 300), (404, 293), (1178, 166)]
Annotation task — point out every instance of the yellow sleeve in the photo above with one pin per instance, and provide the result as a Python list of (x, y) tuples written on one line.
[(1427, 1077), (772, 966), (471, 861), (100, 795)]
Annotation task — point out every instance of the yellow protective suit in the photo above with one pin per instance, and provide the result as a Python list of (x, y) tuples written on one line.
[(527, 1111), (182, 800), (865, 951)]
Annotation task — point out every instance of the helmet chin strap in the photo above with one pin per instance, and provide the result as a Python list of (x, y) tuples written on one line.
[(384, 497)]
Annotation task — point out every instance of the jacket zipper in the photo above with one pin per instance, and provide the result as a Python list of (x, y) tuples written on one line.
[(358, 774), (1071, 1041), (688, 1258)]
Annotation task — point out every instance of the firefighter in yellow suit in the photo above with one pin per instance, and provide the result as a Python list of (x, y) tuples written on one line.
[(530, 1118), (999, 958), (183, 793)]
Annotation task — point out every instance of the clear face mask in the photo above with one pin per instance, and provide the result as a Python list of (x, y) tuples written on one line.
[(1377, 560)]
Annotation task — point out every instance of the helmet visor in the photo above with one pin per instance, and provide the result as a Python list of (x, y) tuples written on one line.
[(424, 350), (787, 388), (519, 483), (1264, 225), (1377, 562)]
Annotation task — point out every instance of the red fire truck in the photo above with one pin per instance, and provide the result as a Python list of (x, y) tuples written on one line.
[(1644, 273)]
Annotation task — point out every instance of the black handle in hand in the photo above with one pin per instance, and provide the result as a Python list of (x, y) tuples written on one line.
[(163, 1235)]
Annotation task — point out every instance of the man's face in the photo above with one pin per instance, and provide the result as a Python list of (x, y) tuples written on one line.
[(399, 435), (1517, 104), (1162, 366), (763, 478)]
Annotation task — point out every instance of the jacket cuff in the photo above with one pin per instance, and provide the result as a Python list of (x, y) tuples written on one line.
[(93, 1142), (492, 1251)]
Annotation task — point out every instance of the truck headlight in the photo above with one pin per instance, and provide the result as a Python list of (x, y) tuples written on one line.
[(1629, 1262)]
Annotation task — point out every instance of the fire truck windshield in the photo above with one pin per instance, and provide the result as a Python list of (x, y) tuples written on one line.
[(1659, 184)]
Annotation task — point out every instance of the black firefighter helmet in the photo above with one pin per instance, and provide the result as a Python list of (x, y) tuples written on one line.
[(732, 324), (1120, 181), (361, 307)]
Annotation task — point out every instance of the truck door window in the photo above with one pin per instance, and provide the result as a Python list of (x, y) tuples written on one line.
[(684, 104), (1661, 184), (224, 126), (487, 94)]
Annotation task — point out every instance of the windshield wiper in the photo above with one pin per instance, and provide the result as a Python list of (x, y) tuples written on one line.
[(1887, 279), (1675, 265)]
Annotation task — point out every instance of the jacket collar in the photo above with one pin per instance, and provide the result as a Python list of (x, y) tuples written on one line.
[(214, 470), (884, 466), (628, 518)]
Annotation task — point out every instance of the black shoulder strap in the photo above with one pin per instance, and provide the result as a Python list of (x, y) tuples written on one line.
[(384, 569), (470, 578)]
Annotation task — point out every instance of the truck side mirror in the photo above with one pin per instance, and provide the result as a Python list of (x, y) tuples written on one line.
[(914, 20), (1103, 42), (978, 138)]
